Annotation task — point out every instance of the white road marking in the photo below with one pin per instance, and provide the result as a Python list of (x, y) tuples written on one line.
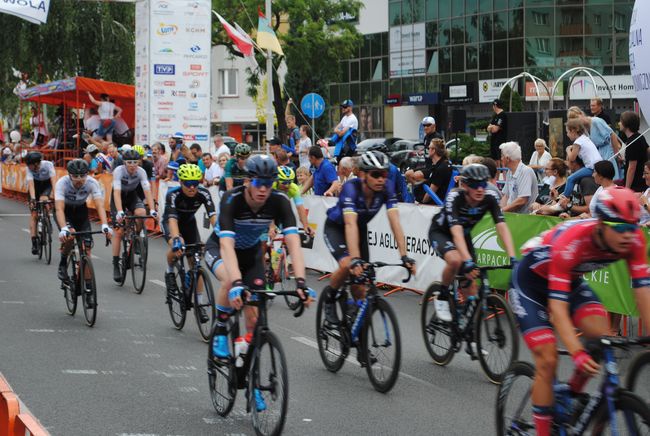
[(92, 256), (306, 420), (15, 214), (170, 375), (40, 330), (188, 389), (26, 230), (152, 355), (13, 302), (158, 282), (80, 371)]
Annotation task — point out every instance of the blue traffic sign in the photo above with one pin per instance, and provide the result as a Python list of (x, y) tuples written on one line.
[(312, 105)]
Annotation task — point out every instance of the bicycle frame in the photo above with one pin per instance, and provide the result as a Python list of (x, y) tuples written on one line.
[(195, 252)]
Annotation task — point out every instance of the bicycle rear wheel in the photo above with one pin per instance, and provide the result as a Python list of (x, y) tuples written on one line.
[(496, 337), (514, 410), (639, 374), (286, 274), (138, 263), (70, 284), (439, 337), (632, 417), (222, 379), (207, 304), (46, 241), (333, 343), (88, 292), (269, 377), (176, 299), (382, 346)]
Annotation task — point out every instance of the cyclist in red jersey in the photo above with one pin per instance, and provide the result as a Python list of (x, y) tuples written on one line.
[(548, 292)]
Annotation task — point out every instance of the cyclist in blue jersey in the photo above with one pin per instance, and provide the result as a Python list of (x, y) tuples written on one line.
[(346, 233)]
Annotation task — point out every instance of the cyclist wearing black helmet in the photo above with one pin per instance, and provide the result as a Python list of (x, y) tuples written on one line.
[(450, 230), (70, 195), (395, 177), (346, 234), (233, 251), (234, 172), (40, 178)]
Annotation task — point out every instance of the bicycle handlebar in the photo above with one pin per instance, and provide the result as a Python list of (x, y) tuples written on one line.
[(494, 267), (611, 341), (383, 264), (296, 313)]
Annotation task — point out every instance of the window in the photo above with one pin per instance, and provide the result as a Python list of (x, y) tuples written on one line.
[(619, 22), (543, 45), (228, 82), (541, 19)]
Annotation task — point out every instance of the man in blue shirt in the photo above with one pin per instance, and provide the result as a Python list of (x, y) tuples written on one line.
[(323, 172)]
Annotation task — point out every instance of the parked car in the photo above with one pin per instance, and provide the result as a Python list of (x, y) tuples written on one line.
[(402, 151), (367, 143)]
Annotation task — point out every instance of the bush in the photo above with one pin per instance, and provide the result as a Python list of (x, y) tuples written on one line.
[(468, 145)]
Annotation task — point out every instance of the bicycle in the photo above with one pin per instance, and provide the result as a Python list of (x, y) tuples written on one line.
[(135, 250), (491, 328), (574, 413), (44, 230), (638, 371), (359, 327), (263, 371), (75, 282), (186, 297), (282, 273)]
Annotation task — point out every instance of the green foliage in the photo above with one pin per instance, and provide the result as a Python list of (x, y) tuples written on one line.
[(517, 101), (468, 145), (91, 39)]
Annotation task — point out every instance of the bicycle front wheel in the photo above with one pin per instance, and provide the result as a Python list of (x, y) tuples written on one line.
[(206, 304), (496, 336), (46, 241), (138, 263), (639, 371), (332, 340), (88, 291), (269, 386), (632, 416), (382, 346), (222, 379), (39, 237), (176, 299), (286, 275), (514, 410), (439, 337), (70, 284), (125, 260)]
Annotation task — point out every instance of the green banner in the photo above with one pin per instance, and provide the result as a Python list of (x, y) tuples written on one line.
[(611, 284)]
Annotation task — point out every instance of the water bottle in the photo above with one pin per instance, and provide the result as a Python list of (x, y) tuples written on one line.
[(241, 348), (356, 327), (562, 393)]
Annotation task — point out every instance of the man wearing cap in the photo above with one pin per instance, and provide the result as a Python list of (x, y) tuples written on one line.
[(175, 144), (348, 121), (429, 125), (497, 130), (416, 177)]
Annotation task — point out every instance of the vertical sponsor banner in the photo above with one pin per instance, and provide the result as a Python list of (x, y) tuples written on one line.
[(142, 70), (179, 70)]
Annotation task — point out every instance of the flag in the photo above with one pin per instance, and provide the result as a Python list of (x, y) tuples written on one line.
[(266, 36), (243, 43), (252, 63)]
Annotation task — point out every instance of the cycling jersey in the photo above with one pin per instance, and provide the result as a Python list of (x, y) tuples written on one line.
[(352, 200), (293, 193), (65, 190), (232, 170), (457, 211), (126, 182), (238, 221), (44, 173), (181, 207)]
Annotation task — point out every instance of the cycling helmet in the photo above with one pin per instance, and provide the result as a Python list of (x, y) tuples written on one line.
[(381, 147), (476, 172), (262, 166), (189, 172), (617, 204), (33, 158), (78, 167), (131, 155), (139, 149), (242, 150), (373, 160), (173, 165), (286, 174)]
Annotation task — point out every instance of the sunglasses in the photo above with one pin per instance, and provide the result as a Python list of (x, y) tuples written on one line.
[(285, 182), (242, 157), (132, 162), (191, 183), (262, 183), (475, 184), (427, 125), (376, 174), (621, 227), (78, 177)]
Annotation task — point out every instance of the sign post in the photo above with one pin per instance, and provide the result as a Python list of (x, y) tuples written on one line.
[(313, 106)]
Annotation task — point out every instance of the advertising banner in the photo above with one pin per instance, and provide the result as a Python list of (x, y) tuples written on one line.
[(583, 88), (142, 99), (531, 91), (640, 54), (34, 11), (489, 89), (407, 50)]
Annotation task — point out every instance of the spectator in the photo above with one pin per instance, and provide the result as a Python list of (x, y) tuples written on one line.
[(436, 173), (121, 132), (582, 147), (282, 159), (274, 145), (302, 175), (348, 122), (636, 153), (293, 134), (219, 146), (497, 129), (520, 190), (540, 158), (644, 199), (107, 111), (175, 144), (92, 122), (194, 156), (429, 126), (344, 170), (213, 171), (324, 173), (604, 178), (596, 108), (39, 129), (222, 159), (95, 162), (304, 145), (492, 183), (472, 159), (159, 160), (555, 178)]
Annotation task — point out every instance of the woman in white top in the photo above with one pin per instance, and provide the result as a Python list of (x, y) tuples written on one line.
[(644, 199), (107, 111), (540, 158), (582, 147), (304, 145)]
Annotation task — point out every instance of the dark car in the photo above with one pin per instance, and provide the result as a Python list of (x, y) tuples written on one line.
[(367, 143), (402, 152)]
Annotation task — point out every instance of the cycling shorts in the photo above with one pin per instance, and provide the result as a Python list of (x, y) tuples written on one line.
[(187, 229), (76, 218), (130, 202), (442, 242), (334, 235), (42, 188), (250, 261), (529, 301)]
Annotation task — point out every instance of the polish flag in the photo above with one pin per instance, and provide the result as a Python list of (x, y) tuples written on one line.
[(241, 41)]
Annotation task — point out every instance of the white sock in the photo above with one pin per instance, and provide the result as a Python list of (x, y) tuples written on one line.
[(170, 269), (200, 297)]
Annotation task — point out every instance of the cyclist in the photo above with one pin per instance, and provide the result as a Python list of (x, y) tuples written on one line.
[(285, 184), (450, 231), (548, 293), (235, 171), (127, 179), (234, 253), (346, 234), (70, 195), (179, 222), (41, 178)]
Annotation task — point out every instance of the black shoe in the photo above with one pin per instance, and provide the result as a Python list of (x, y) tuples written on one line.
[(62, 273), (330, 306), (34, 246), (170, 282), (117, 274), (203, 315)]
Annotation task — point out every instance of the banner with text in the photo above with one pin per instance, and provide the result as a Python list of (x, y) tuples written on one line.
[(583, 88), (34, 11)]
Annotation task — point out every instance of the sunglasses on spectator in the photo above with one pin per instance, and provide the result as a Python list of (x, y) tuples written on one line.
[(132, 162), (262, 183), (376, 174), (621, 227), (427, 125), (475, 184), (191, 183)]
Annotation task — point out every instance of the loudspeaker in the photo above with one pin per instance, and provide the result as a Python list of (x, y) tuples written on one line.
[(458, 120)]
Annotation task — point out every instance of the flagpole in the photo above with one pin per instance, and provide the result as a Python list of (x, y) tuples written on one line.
[(269, 82)]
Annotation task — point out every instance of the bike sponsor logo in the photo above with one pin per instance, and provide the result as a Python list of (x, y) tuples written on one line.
[(164, 69), (166, 29)]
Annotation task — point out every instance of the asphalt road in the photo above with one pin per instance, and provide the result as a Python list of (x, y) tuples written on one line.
[(134, 374)]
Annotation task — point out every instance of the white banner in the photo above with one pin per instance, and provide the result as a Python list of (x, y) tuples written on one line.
[(489, 89), (142, 100), (640, 54), (583, 88), (34, 11), (407, 37), (408, 63)]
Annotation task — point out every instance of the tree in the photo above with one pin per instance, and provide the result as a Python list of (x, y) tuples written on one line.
[(318, 36), (517, 101), (80, 38)]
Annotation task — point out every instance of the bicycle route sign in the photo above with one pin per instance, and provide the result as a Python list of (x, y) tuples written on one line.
[(312, 105)]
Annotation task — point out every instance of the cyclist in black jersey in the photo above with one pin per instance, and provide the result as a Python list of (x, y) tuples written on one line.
[(234, 253), (450, 230), (179, 224), (40, 178)]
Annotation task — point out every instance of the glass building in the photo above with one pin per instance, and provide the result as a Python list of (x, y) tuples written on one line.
[(472, 40)]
